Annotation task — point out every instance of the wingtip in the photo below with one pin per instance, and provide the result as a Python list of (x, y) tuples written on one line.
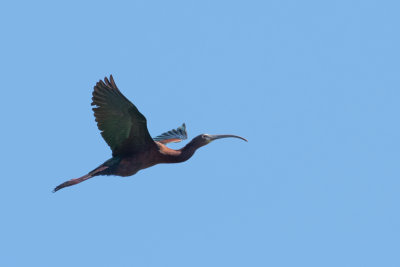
[(185, 135), (110, 82)]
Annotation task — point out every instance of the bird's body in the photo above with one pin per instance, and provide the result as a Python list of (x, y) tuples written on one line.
[(130, 165), (124, 129)]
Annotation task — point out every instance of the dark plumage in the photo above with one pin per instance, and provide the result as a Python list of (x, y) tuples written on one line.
[(124, 129)]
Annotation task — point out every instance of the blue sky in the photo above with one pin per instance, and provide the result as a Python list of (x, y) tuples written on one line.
[(313, 86)]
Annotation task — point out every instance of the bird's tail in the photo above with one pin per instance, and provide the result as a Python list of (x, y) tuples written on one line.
[(75, 181)]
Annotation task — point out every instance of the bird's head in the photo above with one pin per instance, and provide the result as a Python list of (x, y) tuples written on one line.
[(205, 139)]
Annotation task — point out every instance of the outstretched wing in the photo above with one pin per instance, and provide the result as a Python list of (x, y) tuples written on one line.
[(173, 136), (121, 124)]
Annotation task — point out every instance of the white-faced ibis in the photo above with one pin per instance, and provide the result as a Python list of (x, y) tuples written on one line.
[(124, 129)]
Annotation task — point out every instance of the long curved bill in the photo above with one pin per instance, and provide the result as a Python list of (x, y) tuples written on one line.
[(219, 136)]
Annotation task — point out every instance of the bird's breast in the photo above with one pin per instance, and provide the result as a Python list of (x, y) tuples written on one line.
[(130, 165)]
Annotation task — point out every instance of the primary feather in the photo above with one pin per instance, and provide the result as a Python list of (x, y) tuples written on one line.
[(173, 136)]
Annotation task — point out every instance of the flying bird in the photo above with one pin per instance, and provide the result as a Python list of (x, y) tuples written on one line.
[(124, 129)]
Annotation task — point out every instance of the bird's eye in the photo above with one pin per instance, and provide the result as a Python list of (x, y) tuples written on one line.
[(205, 136)]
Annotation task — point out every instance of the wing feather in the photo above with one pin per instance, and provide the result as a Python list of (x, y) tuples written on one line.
[(121, 124), (173, 136)]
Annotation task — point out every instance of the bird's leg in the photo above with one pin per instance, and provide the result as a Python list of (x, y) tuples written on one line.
[(80, 179)]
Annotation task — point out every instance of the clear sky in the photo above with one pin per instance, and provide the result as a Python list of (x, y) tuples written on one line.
[(313, 85)]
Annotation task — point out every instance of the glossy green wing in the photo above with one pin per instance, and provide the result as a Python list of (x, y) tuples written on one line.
[(121, 124), (173, 136)]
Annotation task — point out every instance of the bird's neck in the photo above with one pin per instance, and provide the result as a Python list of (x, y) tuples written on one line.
[(187, 151), (181, 155)]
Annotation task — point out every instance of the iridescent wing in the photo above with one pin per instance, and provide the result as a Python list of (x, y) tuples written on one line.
[(121, 124), (173, 136)]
